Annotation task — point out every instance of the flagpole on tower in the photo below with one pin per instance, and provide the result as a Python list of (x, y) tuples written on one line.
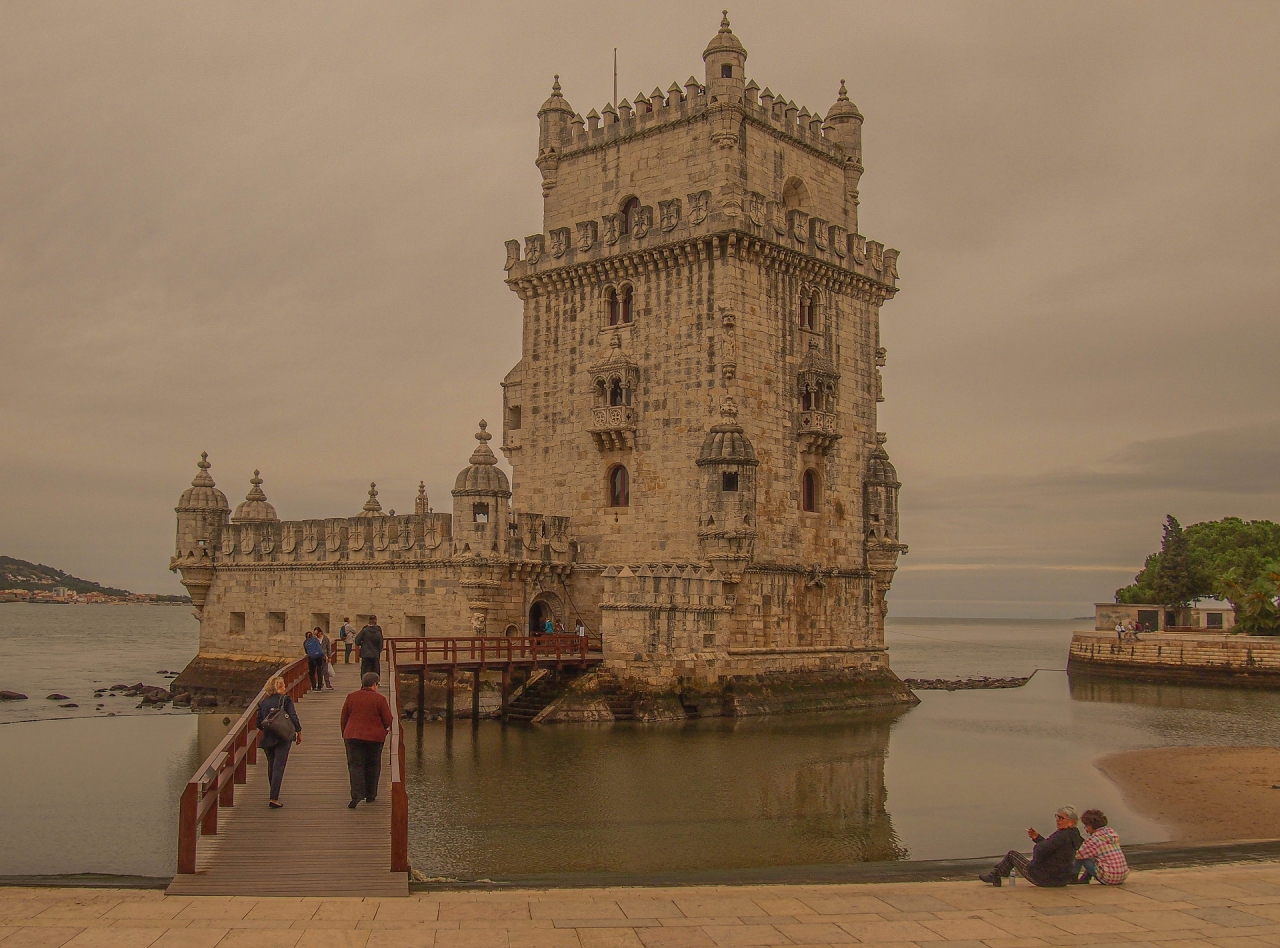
[(615, 77)]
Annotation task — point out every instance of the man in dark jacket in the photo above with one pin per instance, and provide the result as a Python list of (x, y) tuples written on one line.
[(1051, 860), (369, 641)]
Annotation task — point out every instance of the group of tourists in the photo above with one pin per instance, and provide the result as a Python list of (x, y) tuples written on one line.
[(366, 714), (1129, 631), (552, 626), (1064, 857)]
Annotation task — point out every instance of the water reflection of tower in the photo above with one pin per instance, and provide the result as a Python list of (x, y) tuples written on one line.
[(838, 801)]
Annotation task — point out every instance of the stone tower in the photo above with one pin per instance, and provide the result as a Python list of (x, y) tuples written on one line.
[(700, 283), (202, 511)]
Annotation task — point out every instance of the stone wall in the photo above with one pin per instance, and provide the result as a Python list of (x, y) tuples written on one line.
[(1242, 660)]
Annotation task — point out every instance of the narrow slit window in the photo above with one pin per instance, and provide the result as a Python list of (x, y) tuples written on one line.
[(625, 305), (614, 312), (630, 210), (809, 492), (729, 481)]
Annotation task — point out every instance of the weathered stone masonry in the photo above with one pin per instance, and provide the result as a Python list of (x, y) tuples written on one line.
[(694, 416)]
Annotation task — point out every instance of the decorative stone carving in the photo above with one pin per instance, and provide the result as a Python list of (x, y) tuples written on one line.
[(819, 230), (882, 355), (310, 539), (588, 233), (356, 539), (699, 204), (246, 540), (729, 356), (612, 228), (858, 248), (513, 254), (839, 240), (669, 213), (799, 221), (559, 242), (643, 222), (405, 536), (778, 216), (756, 208), (333, 534), (478, 622), (533, 246), (890, 257), (267, 543), (875, 253), (879, 386), (380, 538), (228, 543)]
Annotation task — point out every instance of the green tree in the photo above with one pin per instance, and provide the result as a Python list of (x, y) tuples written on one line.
[(1178, 579), (1255, 603)]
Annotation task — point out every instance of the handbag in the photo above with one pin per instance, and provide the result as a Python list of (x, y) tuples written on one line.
[(278, 724)]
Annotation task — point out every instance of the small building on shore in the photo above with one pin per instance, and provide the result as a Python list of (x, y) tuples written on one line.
[(1209, 615)]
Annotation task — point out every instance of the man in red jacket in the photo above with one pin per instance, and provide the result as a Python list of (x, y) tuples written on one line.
[(366, 718)]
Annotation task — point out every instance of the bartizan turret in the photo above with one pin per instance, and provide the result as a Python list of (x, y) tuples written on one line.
[(727, 522), (481, 518), (844, 127), (725, 58), (880, 508), (202, 512)]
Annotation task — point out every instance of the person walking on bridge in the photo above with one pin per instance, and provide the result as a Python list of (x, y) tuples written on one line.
[(369, 641), (366, 719), (347, 636), (315, 658), (325, 669), (272, 744)]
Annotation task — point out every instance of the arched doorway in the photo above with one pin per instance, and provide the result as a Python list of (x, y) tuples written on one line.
[(545, 606)]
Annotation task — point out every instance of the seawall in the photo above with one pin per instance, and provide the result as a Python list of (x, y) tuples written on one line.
[(1247, 661)]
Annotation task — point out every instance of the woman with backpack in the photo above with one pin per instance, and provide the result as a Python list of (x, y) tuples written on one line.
[(278, 722)]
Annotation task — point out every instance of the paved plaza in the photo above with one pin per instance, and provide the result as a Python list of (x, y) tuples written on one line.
[(1232, 906)]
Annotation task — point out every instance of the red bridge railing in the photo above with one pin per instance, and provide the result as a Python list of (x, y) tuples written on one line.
[(495, 650), (214, 783)]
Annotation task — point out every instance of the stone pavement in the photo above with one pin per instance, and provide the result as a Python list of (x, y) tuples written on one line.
[(1233, 906)]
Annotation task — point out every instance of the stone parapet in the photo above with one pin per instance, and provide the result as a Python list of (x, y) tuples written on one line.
[(1240, 660)]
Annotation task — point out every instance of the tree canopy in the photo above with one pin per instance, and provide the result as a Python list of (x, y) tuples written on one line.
[(1237, 560)]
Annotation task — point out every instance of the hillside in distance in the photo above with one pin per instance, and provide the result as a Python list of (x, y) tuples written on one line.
[(19, 574)]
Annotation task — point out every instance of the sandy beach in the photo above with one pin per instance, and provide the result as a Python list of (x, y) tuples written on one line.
[(1204, 794)]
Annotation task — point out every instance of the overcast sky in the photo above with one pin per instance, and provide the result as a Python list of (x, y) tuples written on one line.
[(273, 231)]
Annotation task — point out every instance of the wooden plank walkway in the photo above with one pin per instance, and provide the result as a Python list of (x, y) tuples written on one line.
[(315, 845)]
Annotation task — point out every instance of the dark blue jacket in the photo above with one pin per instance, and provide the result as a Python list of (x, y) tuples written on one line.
[(265, 707), (313, 647)]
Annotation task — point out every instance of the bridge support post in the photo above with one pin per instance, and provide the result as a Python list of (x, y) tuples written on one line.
[(448, 698), (422, 693), (475, 697), (506, 690)]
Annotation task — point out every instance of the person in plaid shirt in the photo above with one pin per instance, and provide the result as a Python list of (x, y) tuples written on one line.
[(1100, 856)]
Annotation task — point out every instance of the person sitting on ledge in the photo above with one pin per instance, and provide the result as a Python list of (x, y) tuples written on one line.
[(1052, 859), (1100, 857)]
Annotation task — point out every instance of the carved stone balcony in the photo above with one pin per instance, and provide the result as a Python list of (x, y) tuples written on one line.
[(614, 427), (817, 431)]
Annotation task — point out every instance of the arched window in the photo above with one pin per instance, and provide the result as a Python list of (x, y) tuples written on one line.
[(480, 513), (795, 196), (615, 313), (624, 305), (809, 491), (619, 488), (806, 400), (616, 394), (629, 212)]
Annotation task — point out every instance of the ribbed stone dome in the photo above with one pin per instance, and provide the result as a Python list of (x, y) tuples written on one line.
[(202, 493), (843, 107), (556, 103), (482, 475), (879, 468), (726, 443), (724, 40), (255, 506)]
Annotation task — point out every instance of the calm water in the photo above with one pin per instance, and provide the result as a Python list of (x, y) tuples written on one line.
[(962, 774)]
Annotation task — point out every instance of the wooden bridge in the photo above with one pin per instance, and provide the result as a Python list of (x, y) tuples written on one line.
[(315, 846)]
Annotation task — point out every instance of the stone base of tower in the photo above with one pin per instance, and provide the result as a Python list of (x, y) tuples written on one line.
[(224, 682), (609, 696)]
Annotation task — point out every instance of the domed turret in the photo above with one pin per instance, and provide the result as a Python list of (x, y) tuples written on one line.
[(202, 493), (725, 59), (553, 121), (727, 512), (844, 127), (482, 475), (202, 511), (880, 515), (880, 470), (481, 502), (255, 507)]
